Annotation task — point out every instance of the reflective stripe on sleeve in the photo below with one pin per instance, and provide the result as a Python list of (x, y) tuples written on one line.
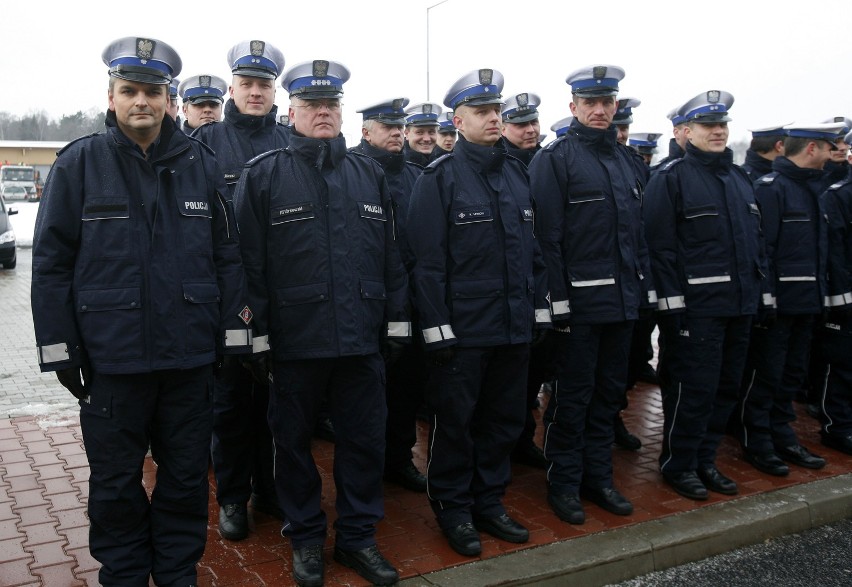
[(711, 279), (768, 300), (652, 296), (838, 300), (399, 329), (560, 307), (260, 344), (542, 316), (241, 337), (53, 353), (672, 303), (438, 333)]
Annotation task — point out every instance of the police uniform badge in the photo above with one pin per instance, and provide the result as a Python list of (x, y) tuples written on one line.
[(713, 96), (246, 315), (485, 76), (144, 49), (426, 109), (523, 100), (257, 48), (599, 72), (320, 68), (397, 104), (204, 81)]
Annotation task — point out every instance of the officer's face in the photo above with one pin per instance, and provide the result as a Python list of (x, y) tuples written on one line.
[(623, 131), (679, 133), (595, 112), (254, 96), (480, 125), (139, 108), (387, 137), (523, 135), (711, 137), (839, 154), (422, 138), (199, 113), (317, 119), (447, 140)]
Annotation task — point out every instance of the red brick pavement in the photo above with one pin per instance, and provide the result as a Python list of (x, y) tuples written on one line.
[(44, 489)]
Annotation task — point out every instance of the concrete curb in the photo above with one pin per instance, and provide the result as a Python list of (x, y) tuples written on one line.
[(618, 555)]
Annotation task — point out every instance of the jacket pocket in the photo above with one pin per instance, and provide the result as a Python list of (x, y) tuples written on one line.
[(701, 223), (201, 316), (374, 297), (477, 307), (106, 228), (585, 197), (196, 224), (111, 323), (305, 314)]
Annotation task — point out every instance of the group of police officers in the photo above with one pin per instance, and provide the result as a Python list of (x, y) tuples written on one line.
[(220, 293)]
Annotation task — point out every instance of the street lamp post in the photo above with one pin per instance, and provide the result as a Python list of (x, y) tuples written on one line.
[(428, 8)]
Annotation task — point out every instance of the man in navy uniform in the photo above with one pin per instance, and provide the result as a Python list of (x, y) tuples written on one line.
[(242, 445), (480, 294), (447, 134), (677, 143), (624, 117), (796, 248), (202, 97), (329, 288), (644, 143), (173, 107), (382, 140), (836, 335), (589, 197), (421, 132), (521, 129), (703, 229), (138, 285), (766, 144)]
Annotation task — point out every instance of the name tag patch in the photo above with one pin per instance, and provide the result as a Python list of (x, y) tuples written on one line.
[(232, 177), (293, 212), (470, 215), (372, 211)]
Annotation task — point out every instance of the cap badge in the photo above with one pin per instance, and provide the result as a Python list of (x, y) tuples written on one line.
[(599, 72), (397, 104), (257, 48), (485, 76), (204, 81), (144, 49), (320, 68), (713, 96), (523, 100), (427, 109)]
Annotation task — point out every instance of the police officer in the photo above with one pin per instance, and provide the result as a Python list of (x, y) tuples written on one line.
[(644, 143), (837, 167), (836, 336), (479, 296), (382, 140), (796, 247), (766, 144), (447, 135), (138, 285), (172, 109), (329, 285), (521, 127), (242, 445), (561, 126), (703, 228), (624, 117), (677, 143), (589, 197), (202, 97), (421, 133)]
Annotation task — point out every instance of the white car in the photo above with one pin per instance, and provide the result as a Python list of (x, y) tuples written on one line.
[(15, 192)]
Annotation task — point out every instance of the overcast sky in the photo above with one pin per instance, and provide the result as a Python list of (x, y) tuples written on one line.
[(783, 61)]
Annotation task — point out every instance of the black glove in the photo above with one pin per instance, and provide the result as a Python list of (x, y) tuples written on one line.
[(441, 357), (561, 324), (766, 317), (392, 350), (539, 336), (258, 366), (70, 380), (674, 323)]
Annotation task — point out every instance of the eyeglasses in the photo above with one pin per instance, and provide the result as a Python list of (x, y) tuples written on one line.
[(317, 105)]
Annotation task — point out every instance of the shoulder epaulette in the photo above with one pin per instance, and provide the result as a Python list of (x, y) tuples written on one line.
[(77, 140), (439, 161), (416, 166), (839, 184), (669, 165), (768, 178), (262, 156)]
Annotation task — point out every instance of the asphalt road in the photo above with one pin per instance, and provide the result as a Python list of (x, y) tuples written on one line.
[(821, 557)]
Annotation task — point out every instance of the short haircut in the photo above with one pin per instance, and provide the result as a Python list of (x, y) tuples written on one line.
[(764, 144), (795, 145)]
